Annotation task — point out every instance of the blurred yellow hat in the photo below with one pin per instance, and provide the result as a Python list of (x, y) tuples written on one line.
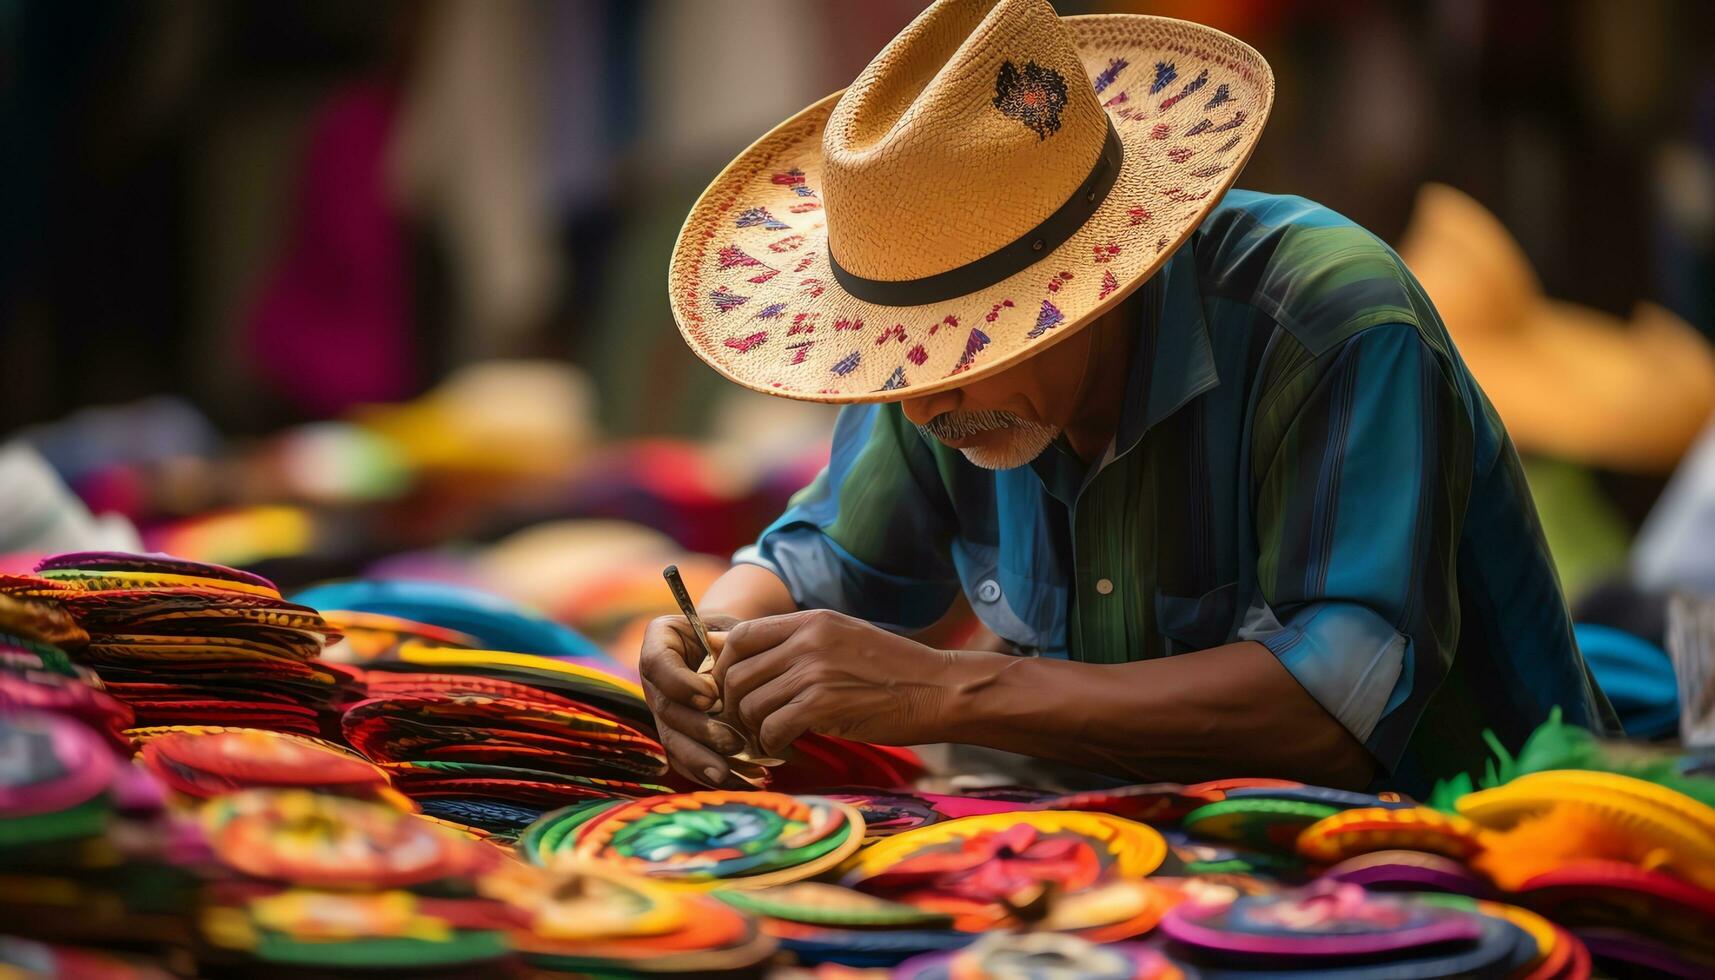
[(1568, 381)]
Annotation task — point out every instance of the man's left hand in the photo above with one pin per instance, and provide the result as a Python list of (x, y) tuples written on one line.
[(820, 671)]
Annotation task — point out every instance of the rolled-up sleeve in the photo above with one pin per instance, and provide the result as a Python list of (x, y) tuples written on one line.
[(870, 536), (1361, 491)]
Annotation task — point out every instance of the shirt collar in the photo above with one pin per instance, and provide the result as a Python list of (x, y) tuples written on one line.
[(1172, 362)]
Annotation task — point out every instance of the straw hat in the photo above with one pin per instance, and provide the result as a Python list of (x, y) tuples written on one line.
[(995, 179), (1567, 380)]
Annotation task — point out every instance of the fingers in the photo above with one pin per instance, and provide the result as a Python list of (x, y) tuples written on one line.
[(755, 636), (695, 762), (770, 682), (698, 726), (781, 728), (669, 647)]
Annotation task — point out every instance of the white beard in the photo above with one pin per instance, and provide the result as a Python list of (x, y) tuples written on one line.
[(1022, 444)]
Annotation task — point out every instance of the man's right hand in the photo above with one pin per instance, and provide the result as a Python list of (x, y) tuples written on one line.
[(679, 697)]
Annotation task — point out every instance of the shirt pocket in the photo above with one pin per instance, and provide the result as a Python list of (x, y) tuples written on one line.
[(1188, 623)]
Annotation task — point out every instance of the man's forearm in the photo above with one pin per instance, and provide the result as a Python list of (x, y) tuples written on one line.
[(1230, 711), (746, 592)]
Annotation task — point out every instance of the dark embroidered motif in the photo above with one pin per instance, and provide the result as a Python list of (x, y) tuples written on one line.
[(1200, 128), (1221, 97), (1138, 216), (1165, 73), (895, 381), (847, 364), (767, 273), (994, 312), (1179, 154), (1193, 85), (895, 332), (1111, 72), (1060, 279), (813, 286), (917, 355), (1034, 96), (1182, 195), (1209, 171), (725, 299), (744, 345), (759, 216), (844, 324), (1106, 253), (1159, 132), (771, 311), (804, 263), (973, 345), (1119, 99), (1047, 319), (803, 323), (948, 321), (1233, 123), (733, 255), (1229, 144), (794, 179), (800, 350), (1109, 284)]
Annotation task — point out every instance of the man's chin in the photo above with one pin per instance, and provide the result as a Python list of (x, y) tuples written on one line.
[(1010, 453)]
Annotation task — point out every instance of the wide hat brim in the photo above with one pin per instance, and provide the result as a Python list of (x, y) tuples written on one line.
[(754, 296)]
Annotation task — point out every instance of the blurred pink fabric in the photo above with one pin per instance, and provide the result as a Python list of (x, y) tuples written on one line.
[(331, 327)]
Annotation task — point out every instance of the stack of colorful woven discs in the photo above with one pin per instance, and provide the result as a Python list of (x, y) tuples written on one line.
[(36, 674), (821, 923), (494, 739), (84, 842), (189, 643), (747, 840), (328, 882), (1339, 930), (206, 762)]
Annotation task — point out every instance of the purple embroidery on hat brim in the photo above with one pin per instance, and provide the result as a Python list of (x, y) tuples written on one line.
[(847, 364), (732, 255), (770, 311), (1033, 95), (1193, 85), (752, 217), (1109, 284), (1047, 319), (973, 345), (1111, 72), (1165, 73), (895, 381), (1222, 96), (725, 299)]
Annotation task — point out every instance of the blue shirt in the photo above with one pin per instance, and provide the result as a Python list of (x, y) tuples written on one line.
[(1302, 460)]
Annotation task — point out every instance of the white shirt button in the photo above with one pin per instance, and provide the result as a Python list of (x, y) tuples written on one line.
[(989, 591), (1104, 586)]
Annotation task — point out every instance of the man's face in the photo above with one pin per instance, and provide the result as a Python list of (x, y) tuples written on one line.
[(1010, 418)]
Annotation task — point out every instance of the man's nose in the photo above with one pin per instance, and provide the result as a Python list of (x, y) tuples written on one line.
[(922, 409)]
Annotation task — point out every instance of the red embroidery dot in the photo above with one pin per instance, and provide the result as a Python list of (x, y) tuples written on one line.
[(1138, 215), (844, 324), (1179, 154), (1106, 253), (1059, 280), (745, 345), (1109, 284), (917, 355), (895, 332), (1159, 132)]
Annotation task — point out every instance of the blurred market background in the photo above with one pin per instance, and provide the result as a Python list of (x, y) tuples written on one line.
[(327, 289)]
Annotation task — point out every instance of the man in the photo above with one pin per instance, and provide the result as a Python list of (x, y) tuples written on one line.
[(1204, 459)]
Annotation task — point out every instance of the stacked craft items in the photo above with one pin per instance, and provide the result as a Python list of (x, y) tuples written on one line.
[(492, 739), (321, 883), (184, 643)]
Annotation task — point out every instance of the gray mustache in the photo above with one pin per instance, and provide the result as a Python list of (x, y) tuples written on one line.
[(960, 425)]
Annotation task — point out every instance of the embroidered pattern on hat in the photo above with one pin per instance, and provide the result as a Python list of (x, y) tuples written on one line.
[(1159, 131), (1119, 99), (804, 263), (847, 364), (1180, 154), (1109, 284), (1222, 95), (1106, 253), (803, 323), (1111, 72), (1165, 73), (895, 333), (917, 355), (1229, 144), (767, 273), (1060, 279), (733, 255), (973, 346), (791, 243), (745, 345), (725, 299), (1033, 95), (803, 206), (751, 217), (801, 350), (770, 311), (794, 179), (1047, 319), (1193, 85), (947, 321), (1138, 215), (994, 312), (842, 323), (895, 381)]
